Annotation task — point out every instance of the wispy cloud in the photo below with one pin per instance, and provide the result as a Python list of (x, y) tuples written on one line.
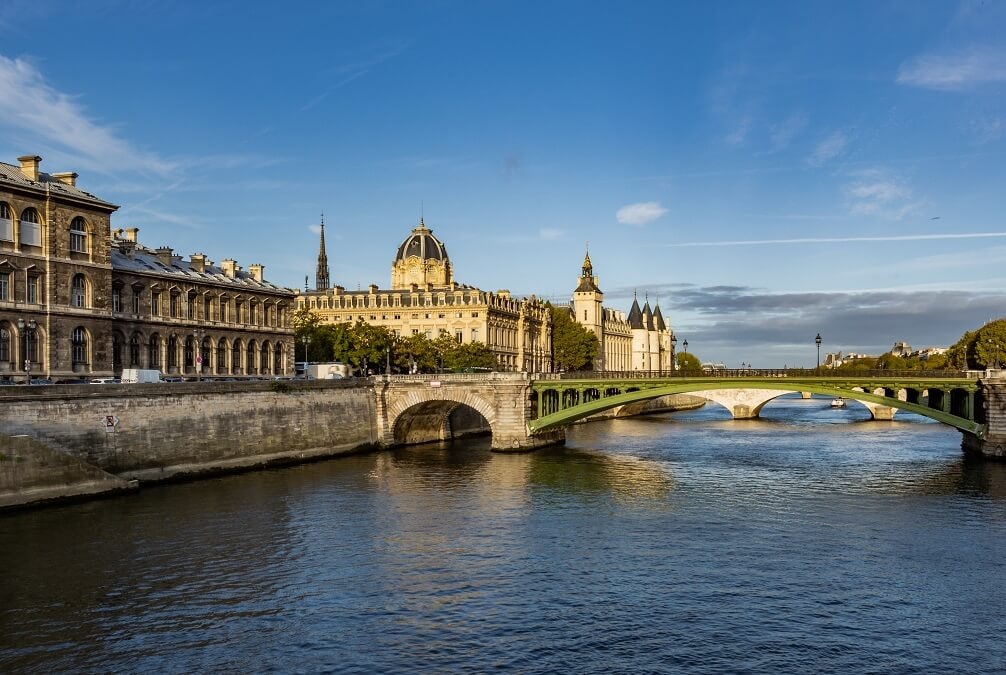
[(961, 69), (550, 233), (739, 133), (840, 240), (639, 213), (832, 146), (876, 192), (40, 114), (987, 129), (344, 73), (784, 133)]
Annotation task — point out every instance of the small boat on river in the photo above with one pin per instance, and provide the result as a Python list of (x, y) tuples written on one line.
[(838, 402)]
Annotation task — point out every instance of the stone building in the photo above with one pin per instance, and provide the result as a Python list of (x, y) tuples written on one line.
[(77, 302), (640, 342), (424, 298)]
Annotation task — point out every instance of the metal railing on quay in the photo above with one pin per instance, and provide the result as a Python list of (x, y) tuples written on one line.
[(797, 373)]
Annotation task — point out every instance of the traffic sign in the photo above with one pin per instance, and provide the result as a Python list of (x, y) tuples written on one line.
[(110, 422)]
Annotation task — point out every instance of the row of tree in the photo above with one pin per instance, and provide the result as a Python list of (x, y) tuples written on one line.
[(368, 347)]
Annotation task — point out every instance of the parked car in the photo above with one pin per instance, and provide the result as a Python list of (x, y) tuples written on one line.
[(40, 380), (106, 380), (172, 379)]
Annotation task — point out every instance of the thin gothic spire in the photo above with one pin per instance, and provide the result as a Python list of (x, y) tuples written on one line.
[(321, 275)]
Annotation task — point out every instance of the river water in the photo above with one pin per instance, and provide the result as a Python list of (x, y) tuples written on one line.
[(812, 540)]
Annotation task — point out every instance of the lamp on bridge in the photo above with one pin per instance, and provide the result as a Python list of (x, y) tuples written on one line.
[(26, 328), (685, 345), (197, 361), (817, 341)]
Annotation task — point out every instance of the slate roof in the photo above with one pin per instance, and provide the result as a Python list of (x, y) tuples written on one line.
[(13, 174), (635, 316), (144, 261), (658, 318), (423, 244)]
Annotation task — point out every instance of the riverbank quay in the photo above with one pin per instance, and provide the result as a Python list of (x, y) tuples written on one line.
[(60, 442)]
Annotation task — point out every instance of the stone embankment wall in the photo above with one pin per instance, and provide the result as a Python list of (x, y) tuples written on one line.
[(167, 431)]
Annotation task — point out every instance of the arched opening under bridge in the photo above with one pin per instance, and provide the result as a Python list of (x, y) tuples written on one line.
[(438, 420)]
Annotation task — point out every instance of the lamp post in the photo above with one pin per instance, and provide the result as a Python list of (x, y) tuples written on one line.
[(685, 345), (387, 356), (197, 335), (817, 341), (674, 344), (26, 327)]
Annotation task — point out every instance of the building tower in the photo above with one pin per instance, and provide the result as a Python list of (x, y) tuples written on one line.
[(587, 307), (321, 276), (421, 260)]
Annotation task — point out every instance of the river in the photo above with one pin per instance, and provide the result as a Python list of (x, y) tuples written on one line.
[(812, 540)]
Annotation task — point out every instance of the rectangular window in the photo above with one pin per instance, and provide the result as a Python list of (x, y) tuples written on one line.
[(190, 308), (475, 334), (475, 315), (33, 295), (136, 301), (4, 285), (31, 233), (459, 335), (223, 311), (173, 305), (207, 309), (78, 241), (415, 331), (155, 304), (116, 300), (397, 317)]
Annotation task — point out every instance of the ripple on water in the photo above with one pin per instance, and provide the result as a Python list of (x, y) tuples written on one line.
[(811, 540)]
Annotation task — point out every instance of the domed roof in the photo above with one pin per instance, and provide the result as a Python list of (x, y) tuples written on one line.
[(423, 244)]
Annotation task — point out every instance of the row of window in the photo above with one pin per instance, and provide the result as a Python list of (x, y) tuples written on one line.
[(30, 229), (32, 286)]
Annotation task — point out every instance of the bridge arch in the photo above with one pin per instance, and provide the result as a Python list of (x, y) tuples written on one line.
[(431, 415), (954, 413)]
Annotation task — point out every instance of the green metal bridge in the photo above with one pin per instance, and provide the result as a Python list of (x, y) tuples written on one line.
[(948, 397)]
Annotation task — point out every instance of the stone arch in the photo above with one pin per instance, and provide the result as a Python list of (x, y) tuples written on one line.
[(421, 416)]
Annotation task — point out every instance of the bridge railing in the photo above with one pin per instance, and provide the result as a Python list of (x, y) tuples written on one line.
[(759, 372)]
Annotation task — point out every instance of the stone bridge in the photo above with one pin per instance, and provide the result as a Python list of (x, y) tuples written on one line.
[(420, 408)]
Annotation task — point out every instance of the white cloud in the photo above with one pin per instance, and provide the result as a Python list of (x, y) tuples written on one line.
[(832, 146), (988, 129), (876, 193), (50, 117), (639, 213), (550, 233), (959, 70), (740, 132), (783, 134), (841, 240)]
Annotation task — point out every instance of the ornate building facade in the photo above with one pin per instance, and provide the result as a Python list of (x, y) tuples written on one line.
[(76, 301), (641, 342), (425, 299)]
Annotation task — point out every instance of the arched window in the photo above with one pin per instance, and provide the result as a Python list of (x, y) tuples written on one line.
[(154, 351), (250, 361), (263, 364), (117, 345), (236, 357), (78, 291), (5, 354), (78, 235), (205, 347), (277, 359), (78, 347), (134, 350), (6, 223), (31, 229), (172, 352), (190, 348), (221, 357)]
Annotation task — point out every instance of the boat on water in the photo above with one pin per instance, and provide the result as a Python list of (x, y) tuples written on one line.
[(838, 402)]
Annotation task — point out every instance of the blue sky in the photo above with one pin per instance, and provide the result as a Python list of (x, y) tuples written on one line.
[(767, 170)]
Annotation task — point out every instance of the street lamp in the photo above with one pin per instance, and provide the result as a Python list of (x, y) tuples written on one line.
[(674, 345), (387, 365), (817, 341), (26, 327), (685, 345)]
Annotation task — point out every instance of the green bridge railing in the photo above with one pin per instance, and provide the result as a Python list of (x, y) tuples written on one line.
[(950, 397)]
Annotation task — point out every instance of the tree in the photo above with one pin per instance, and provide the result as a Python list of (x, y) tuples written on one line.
[(689, 364), (990, 345), (473, 355), (573, 346), (369, 346), (305, 328)]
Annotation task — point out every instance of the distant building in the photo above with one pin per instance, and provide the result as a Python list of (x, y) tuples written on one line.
[(425, 299)]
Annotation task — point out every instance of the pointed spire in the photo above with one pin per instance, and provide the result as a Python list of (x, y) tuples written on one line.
[(648, 313), (635, 316), (588, 282), (321, 275)]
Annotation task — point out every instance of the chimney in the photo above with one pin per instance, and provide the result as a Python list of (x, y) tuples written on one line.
[(256, 271), (197, 261), (29, 166), (164, 255), (373, 289), (229, 267), (126, 247), (129, 234), (66, 178)]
